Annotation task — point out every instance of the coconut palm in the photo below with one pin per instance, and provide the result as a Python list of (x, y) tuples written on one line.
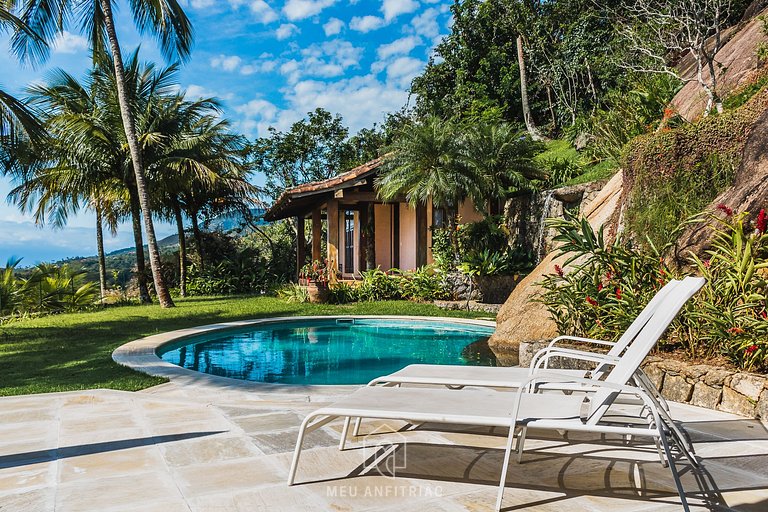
[(165, 19)]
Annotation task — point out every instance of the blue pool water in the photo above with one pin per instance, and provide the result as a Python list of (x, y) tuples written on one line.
[(331, 351)]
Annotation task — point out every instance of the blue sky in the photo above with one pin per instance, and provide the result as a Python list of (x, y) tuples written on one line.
[(270, 62)]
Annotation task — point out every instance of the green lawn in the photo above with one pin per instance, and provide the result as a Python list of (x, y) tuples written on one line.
[(73, 351)]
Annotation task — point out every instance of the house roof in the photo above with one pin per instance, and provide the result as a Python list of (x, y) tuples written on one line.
[(303, 198)]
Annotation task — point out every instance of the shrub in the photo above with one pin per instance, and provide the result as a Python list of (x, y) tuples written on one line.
[(423, 284), (293, 293), (342, 293), (607, 286), (729, 316), (377, 285)]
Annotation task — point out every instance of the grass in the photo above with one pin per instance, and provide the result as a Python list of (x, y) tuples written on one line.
[(73, 351)]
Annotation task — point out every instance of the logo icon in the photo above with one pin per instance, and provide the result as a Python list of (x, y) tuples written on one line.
[(385, 450)]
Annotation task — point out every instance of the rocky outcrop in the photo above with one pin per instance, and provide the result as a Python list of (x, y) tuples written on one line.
[(522, 318), (737, 61), (748, 193)]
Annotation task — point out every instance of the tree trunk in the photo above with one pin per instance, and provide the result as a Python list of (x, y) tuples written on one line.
[(100, 249), (141, 269), (133, 145), (198, 240), (182, 250), (527, 117)]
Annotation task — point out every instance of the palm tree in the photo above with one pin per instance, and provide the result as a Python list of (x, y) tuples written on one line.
[(164, 19), (425, 162), (500, 157)]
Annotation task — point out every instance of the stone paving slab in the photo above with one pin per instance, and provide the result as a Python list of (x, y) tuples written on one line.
[(194, 448)]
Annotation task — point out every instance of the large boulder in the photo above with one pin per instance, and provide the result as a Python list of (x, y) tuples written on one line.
[(737, 66), (522, 318)]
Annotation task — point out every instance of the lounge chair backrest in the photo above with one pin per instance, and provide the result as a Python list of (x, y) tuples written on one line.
[(646, 339)]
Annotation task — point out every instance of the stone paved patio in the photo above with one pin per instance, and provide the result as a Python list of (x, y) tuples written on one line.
[(187, 446)]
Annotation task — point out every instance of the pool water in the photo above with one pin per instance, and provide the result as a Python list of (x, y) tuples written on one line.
[(331, 351)]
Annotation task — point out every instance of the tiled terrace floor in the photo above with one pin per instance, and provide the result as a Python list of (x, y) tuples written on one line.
[(205, 448)]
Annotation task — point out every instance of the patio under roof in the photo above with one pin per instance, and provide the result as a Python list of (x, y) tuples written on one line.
[(301, 200)]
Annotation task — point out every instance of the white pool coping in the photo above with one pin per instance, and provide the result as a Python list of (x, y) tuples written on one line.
[(141, 355)]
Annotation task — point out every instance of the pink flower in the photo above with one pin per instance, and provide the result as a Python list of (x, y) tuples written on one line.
[(762, 221), (725, 209), (707, 263)]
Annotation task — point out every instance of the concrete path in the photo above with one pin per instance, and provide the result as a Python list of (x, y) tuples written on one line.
[(200, 447)]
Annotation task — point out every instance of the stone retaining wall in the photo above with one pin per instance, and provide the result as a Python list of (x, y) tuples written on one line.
[(745, 394)]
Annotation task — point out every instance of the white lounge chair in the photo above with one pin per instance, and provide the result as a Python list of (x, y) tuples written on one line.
[(524, 408), (457, 376)]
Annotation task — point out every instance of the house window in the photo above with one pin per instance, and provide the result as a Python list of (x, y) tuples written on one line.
[(439, 218), (349, 242)]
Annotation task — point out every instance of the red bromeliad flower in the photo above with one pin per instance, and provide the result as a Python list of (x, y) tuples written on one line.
[(608, 275), (750, 349), (599, 287), (735, 330), (764, 314), (707, 263), (762, 221), (591, 301), (669, 112), (725, 209), (618, 293), (559, 270)]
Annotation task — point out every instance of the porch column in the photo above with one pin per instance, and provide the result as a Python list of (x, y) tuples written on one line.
[(332, 214), (421, 235), (317, 233), (361, 265), (301, 245)]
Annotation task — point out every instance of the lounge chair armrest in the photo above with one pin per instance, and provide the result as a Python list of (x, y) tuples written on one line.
[(543, 356), (581, 340), (551, 378)]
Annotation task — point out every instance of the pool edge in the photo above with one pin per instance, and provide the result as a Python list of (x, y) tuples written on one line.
[(141, 354)]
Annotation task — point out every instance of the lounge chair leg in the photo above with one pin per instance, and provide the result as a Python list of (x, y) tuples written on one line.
[(521, 444), (344, 433), (356, 430), (297, 450), (661, 453), (671, 464), (505, 466)]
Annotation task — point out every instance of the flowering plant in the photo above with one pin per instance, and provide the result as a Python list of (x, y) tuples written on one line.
[(319, 272)]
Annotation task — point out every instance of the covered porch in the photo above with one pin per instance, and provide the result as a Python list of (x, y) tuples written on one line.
[(361, 231)]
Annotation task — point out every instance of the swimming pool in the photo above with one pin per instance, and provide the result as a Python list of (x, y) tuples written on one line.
[(330, 350)]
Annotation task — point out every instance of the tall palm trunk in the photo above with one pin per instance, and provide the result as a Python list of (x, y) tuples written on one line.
[(198, 240), (133, 145), (100, 248), (138, 239), (530, 125), (182, 249)]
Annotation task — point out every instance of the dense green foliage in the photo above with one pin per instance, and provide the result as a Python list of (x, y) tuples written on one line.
[(674, 173), (604, 287), (72, 351), (46, 289)]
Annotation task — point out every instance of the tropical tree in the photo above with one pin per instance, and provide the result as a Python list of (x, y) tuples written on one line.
[(165, 19), (500, 157), (425, 162)]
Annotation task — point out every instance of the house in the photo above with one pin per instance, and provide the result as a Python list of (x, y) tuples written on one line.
[(362, 230)]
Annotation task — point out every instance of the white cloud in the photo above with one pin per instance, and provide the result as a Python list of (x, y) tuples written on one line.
[(333, 26), (366, 23), (402, 46), (285, 31), (226, 62), (403, 70), (263, 12), (261, 66), (300, 9), (426, 24), (394, 8), (67, 42)]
